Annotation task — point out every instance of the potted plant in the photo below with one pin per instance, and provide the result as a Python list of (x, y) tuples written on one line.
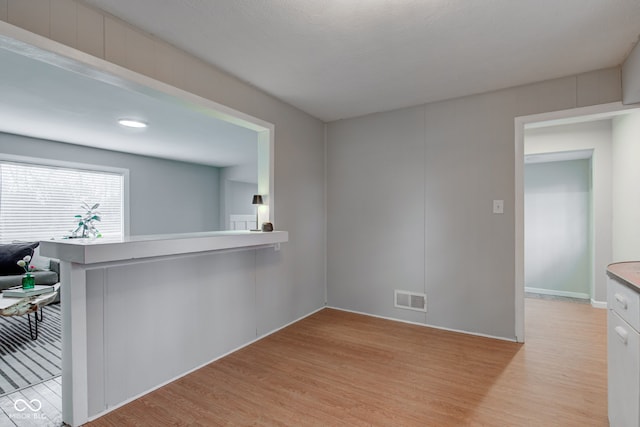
[(28, 281), (86, 222)]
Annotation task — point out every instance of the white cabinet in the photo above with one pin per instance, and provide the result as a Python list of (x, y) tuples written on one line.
[(623, 345)]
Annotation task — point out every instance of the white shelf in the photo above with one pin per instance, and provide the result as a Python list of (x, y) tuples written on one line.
[(92, 251)]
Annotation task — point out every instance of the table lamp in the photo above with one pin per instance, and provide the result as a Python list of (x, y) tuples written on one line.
[(257, 200)]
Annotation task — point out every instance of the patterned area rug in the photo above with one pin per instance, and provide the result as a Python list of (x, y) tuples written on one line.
[(23, 361)]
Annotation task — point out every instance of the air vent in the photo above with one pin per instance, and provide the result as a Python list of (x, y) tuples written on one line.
[(410, 300)]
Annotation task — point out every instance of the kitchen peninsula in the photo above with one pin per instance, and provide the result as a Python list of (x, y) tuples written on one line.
[(142, 311)]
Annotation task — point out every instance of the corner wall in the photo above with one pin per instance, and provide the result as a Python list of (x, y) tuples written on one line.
[(410, 203)]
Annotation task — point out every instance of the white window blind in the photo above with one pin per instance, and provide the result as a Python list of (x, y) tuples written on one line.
[(39, 202)]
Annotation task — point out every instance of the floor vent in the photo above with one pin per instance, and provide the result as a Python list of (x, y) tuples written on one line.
[(410, 300)]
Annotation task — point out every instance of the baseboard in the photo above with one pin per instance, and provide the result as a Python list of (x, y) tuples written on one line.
[(426, 325), (598, 304), (579, 295), (138, 396)]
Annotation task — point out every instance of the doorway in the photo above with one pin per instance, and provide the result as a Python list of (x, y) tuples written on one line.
[(601, 204), (558, 225)]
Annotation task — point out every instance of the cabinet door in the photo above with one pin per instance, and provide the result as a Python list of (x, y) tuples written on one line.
[(625, 302), (624, 372)]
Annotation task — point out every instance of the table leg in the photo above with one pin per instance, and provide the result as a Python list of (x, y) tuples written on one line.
[(31, 329)]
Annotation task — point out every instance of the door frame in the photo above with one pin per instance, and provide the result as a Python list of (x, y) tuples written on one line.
[(572, 115)]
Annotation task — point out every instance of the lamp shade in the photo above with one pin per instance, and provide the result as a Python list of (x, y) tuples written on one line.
[(257, 199)]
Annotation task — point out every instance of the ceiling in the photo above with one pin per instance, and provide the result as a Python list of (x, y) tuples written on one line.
[(344, 58), (46, 100)]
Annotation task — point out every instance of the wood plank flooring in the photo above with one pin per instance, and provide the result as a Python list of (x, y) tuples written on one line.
[(46, 396), (341, 369)]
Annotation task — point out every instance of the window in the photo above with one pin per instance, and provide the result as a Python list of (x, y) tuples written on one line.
[(39, 201)]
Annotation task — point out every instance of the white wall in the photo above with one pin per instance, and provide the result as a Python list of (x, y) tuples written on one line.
[(596, 136), (192, 316), (557, 209), (158, 202), (287, 284), (241, 196), (237, 200), (410, 203), (631, 77), (236, 193), (626, 187), (375, 180)]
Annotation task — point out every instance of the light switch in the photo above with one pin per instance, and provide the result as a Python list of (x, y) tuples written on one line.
[(498, 206)]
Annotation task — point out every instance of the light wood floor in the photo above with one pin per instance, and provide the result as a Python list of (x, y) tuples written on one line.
[(336, 368)]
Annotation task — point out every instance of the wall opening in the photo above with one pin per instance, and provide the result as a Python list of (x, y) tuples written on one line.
[(601, 195)]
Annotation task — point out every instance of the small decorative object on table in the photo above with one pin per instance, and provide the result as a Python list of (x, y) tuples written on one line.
[(267, 226), (28, 281), (86, 223)]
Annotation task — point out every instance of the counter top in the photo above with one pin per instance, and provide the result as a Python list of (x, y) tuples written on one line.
[(628, 272), (92, 251)]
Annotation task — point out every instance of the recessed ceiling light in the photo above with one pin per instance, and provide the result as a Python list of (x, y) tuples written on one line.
[(132, 123)]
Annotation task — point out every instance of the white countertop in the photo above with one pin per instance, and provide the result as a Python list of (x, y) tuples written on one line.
[(91, 251)]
